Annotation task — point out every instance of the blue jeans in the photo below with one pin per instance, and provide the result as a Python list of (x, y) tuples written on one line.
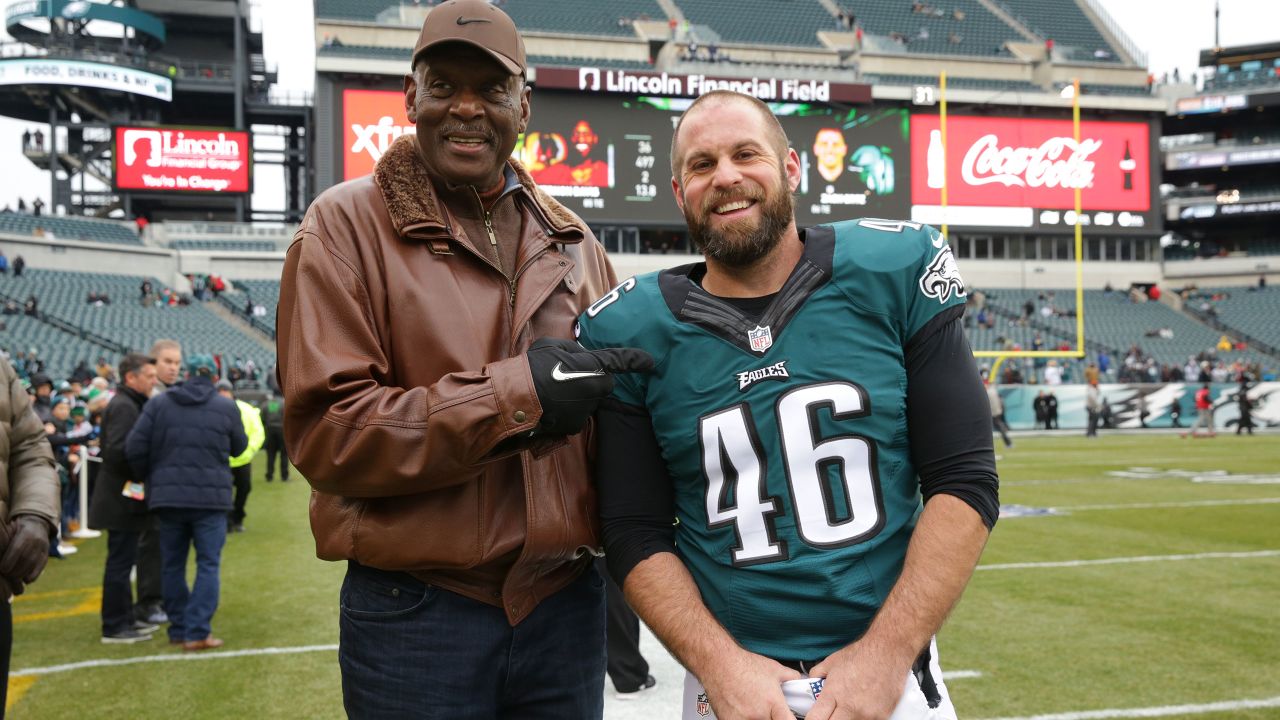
[(410, 650), (190, 610)]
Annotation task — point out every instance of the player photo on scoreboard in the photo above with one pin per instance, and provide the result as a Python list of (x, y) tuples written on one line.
[(576, 158), (854, 161)]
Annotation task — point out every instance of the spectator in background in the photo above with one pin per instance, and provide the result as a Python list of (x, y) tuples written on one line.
[(181, 446), (273, 422), (168, 357), (1262, 282), (1051, 410), (19, 264), (1104, 362), (1041, 409), (1053, 373), (998, 422), (1246, 408), (42, 386), (168, 361), (32, 306), (241, 465), (118, 504), (1093, 405), (1091, 374), (67, 452), (4, 263), (28, 505), (37, 207), (1204, 412)]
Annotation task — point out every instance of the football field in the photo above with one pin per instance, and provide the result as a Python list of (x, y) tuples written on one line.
[(1134, 575)]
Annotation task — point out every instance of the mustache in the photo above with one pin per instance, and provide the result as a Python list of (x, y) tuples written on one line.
[(463, 129), (722, 197)]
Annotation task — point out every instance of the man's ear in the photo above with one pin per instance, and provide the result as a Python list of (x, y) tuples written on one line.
[(792, 165), (675, 188), (411, 96)]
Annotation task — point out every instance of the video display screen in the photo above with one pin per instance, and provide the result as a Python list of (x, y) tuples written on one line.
[(607, 157)]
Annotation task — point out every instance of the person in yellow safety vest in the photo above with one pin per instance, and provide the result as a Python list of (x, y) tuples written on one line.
[(242, 464)]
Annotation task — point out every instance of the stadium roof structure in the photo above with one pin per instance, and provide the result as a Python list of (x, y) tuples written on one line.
[(1000, 52)]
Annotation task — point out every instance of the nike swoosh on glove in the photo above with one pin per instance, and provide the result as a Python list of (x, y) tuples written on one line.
[(571, 380)]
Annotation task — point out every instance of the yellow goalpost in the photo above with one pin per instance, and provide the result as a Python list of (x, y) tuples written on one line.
[(1001, 355)]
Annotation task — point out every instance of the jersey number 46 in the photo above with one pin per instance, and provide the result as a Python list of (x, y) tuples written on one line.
[(734, 461)]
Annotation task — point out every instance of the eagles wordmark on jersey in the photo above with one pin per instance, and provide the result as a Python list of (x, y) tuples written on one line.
[(786, 434)]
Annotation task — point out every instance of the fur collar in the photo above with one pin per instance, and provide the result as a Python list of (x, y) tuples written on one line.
[(411, 200)]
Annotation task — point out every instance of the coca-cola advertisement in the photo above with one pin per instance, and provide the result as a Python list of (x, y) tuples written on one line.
[(1024, 172), (173, 159)]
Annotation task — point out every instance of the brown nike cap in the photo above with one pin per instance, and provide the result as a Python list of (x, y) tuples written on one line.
[(478, 23)]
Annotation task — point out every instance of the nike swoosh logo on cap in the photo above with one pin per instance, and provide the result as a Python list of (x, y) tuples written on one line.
[(468, 21), (559, 374)]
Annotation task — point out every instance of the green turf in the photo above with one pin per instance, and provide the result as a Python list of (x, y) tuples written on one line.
[(1046, 640)]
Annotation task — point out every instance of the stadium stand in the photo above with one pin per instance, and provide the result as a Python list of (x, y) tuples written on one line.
[(58, 349), (1246, 310), (231, 245), (583, 17), (69, 228), (978, 31), (756, 23), (1115, 322), (1100, 89), (351, 9), (261, 292), (577, 17), (1063, 21), (956, 83), (365, 51), (63, 295)]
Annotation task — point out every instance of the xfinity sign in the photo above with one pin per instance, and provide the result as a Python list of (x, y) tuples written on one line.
[(182, 160)]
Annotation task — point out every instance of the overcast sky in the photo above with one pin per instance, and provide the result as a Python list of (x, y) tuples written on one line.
[(1172, 32)]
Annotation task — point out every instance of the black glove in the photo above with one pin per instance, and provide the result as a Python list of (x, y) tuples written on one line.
[(25, 556), (571, 381)]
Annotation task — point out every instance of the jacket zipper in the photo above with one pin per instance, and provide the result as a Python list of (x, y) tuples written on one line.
[(497, 254)]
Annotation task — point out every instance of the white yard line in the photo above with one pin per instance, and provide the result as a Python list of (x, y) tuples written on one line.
[(1152, 712), (1127, 560), (1183, 504), (84, 664)]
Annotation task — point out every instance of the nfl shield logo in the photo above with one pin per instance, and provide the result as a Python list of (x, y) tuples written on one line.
[(761, 339), (704, 707)]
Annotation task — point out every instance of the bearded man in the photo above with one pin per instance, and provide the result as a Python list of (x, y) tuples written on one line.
[(797, 495)]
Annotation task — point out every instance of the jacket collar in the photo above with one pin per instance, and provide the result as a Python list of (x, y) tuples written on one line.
[(137, 397), (411, 201)]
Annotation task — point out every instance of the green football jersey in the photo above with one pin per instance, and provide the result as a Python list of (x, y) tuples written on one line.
[(786, 435)]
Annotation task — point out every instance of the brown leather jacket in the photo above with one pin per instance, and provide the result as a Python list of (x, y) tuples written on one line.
[(28, 475), (407, 391)]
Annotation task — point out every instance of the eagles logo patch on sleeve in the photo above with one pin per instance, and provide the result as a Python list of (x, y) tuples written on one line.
[(942, 278)]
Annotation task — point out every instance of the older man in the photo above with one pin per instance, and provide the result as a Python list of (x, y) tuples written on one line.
[(420, 403)]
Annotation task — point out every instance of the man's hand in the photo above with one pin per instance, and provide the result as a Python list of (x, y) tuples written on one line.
[(27, 553), (571, 381), (746, 686), (861, 684)]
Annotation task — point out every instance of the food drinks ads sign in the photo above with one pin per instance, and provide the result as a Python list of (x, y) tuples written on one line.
[(169, 159), (1033, 165)]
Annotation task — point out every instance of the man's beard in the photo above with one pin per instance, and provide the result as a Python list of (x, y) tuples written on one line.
[(739, 244)]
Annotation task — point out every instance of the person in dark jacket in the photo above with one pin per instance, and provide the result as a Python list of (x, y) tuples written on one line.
[(273, 421), (116, 506), (182, 445), (42, 403)]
